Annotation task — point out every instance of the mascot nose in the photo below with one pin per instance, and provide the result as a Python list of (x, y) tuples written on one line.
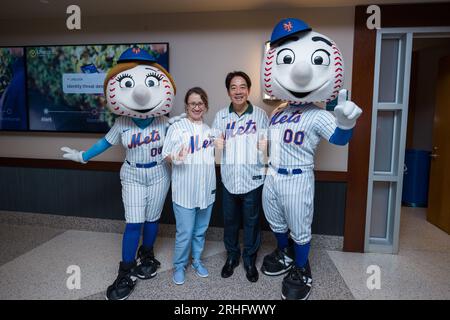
[(141, 95), (302, 73)]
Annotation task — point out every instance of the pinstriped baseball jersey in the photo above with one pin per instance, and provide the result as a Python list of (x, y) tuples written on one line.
[(288, 200), (194, 180), (240, 168), (141, 145), (295, 133)]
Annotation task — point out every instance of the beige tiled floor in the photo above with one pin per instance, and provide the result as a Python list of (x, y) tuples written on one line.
[(34, 261), (36, 251), (421, 270)]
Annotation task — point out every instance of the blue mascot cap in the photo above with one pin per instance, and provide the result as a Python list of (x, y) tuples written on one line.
[(136, 54), (286, 28)]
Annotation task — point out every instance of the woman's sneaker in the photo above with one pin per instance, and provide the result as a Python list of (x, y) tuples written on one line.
[(178, 276), (200, 269), (124, 285)]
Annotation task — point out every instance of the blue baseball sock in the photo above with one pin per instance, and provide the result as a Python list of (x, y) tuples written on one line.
[(130, 241), (150, 233), (301, 254), (282, 239)]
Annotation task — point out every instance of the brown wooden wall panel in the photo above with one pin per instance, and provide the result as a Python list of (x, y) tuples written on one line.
[(359, 147)]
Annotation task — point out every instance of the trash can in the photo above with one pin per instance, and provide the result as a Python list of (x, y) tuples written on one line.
[(415, 178)]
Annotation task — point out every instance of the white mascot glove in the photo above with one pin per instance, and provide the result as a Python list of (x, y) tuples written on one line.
[(72, 154), (346, 112), (176, 119)]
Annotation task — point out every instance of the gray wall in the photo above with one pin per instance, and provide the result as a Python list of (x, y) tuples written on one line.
[(97, 194)]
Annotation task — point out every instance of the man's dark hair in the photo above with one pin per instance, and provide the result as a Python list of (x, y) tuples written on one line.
[(233, 74)]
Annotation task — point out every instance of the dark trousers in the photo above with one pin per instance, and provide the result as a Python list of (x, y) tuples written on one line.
[(246, 208)]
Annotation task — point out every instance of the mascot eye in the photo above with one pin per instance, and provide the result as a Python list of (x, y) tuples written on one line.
[(125, 81), (320, 57), (151, 81), (285, 56)]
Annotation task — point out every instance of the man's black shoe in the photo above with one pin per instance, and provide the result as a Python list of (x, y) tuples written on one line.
[(297, 284), (251, 273), (228, 268)]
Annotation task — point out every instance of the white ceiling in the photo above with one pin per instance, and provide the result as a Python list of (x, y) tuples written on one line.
[(25, 9)]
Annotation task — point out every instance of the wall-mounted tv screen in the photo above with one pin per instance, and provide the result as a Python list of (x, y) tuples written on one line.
[(13, 110), (65, 85)]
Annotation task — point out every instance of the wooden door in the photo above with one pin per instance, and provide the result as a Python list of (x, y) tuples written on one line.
[(438, 212)]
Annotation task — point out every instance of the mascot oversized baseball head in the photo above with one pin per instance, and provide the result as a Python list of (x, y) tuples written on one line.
[(302, 66), (138, 87)]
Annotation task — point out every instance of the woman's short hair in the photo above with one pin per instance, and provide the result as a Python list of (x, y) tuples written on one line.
[(200, 92)]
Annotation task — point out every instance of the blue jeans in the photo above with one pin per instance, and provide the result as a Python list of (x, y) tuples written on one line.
[(191, 225), (246, 208)]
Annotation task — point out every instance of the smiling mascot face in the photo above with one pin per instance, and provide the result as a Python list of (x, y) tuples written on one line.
[(139, 88), (303, 67)]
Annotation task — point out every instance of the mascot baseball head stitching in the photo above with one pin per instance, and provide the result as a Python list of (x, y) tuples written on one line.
[(302, 66), (138, 87)]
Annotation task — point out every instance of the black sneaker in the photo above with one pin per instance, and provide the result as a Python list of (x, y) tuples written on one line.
[(297, 284), (124, 285), (278, 262), (147, 266)]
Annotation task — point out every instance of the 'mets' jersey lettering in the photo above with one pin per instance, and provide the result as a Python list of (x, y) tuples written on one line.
[(195, 143), (231, 129), (137, 139), (141, 145), (295, 133), (281, 117)]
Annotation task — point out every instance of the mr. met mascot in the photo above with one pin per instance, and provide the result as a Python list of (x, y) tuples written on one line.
[(305, 69)]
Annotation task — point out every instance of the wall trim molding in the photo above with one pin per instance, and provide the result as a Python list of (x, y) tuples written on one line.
[(328, 176)]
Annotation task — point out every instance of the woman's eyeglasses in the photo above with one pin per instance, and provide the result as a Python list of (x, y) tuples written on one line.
[(196, 104)]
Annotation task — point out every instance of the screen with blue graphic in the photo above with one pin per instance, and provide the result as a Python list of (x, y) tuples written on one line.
[(65, 85), (13, 110)]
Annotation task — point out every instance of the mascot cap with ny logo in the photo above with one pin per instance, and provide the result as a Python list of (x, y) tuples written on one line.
[(286, 28), (136, 54)]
